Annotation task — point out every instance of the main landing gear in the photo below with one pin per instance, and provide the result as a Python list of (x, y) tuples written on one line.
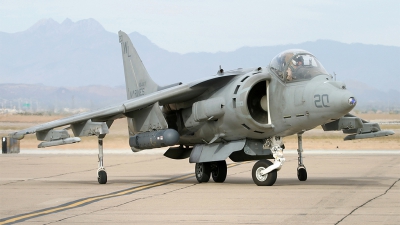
[(264, 172), (217, 170), (101, 171), (260, 178)]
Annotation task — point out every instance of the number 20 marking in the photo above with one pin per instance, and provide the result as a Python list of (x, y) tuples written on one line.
[(321, 100)]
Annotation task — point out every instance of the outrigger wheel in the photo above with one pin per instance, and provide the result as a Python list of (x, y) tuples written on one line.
[(102, 177), (263, 180)]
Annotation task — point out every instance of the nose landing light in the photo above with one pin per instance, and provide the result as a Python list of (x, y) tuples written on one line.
[(352, 101)]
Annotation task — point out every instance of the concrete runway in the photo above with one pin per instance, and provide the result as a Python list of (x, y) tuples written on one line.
[(350, 188)]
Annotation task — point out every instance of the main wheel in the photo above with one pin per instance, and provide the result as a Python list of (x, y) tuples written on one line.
[(219, 171), (203, 172), (302, 174), (263, 180), (102, 177)]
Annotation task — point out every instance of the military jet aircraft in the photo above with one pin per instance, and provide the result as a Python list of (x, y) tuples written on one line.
[(243, 114)]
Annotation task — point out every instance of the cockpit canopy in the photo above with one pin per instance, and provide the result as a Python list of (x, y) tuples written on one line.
[(296, 65)]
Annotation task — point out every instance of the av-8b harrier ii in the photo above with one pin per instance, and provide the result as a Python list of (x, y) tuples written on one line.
[(241, 114)]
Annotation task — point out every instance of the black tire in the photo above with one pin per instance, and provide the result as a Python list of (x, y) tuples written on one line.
[(219, 171), (102, 177), (203, 172), (302, 174), (266, 180)]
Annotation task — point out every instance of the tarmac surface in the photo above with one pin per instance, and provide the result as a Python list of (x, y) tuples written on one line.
[(343, 187)]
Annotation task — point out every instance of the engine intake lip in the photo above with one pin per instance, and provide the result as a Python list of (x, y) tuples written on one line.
[(254, 97)]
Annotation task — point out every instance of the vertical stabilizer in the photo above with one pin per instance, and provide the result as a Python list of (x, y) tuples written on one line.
[(138, 82)]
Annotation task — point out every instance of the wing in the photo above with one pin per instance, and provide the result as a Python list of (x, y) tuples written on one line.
[(356, 127), (97, 122), (113, 112)]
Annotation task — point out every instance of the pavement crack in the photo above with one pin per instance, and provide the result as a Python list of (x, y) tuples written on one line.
[(365, 203)]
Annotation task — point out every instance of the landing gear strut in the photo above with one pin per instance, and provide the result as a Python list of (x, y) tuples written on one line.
[(101, 171), (301, 169)]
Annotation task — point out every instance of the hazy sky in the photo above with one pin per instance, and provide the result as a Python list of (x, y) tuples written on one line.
[(211, 25)]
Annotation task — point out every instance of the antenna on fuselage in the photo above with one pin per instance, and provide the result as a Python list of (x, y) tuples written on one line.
[(220, 71)]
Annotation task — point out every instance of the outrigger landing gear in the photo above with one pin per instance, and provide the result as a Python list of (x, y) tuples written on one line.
[(101, 171), (218, 171), (264, 172), (301, 169)]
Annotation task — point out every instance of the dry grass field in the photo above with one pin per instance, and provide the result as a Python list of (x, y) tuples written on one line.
[(118, 136)]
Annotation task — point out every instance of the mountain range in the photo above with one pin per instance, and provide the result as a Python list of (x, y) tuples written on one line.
[(72, 55)]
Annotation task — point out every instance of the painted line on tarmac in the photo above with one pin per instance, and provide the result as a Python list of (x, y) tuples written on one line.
[(89, 200)]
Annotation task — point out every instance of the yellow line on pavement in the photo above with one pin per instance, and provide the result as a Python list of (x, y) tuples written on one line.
[(85, 201), (91, 200)]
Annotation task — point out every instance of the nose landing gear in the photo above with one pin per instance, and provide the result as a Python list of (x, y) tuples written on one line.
[(264, 172)]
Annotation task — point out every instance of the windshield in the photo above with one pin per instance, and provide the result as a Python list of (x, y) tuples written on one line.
[(296, 65)]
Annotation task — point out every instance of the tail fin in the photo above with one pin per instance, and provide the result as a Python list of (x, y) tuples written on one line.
[(138, 83), (137, 80)]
